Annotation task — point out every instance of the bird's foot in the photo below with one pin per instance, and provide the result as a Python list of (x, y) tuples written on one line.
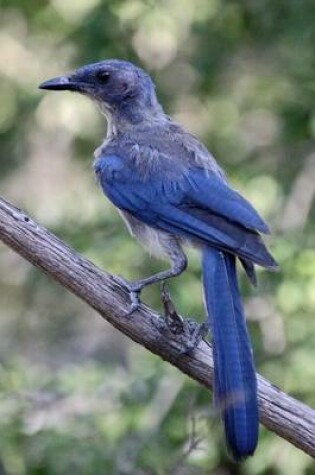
[(135, 301), (173, 320), (134, 290), (188, 332), (196, 333)]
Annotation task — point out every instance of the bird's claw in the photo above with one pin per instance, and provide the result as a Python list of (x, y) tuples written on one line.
[(174, 321), (135, 301), (134, 294), (196, 334), (189, 332)]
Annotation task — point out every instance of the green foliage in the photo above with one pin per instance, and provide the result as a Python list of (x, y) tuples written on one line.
[(75, 396)]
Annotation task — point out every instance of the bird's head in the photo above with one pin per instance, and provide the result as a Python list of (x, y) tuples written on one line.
[(121, 89)]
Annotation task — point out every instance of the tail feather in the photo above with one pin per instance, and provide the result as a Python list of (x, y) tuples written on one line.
[(235, 384)]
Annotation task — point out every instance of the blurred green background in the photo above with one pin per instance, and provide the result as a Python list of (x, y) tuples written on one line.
[(75, 395)]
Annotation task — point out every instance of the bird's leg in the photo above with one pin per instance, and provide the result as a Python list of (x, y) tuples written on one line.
[(189, 332), (174, 321), (178, 265), (192, 331)]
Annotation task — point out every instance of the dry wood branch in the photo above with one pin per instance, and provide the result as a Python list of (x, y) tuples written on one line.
[(279, 412)]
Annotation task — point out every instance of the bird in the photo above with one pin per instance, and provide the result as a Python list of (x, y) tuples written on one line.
[(171, 193)]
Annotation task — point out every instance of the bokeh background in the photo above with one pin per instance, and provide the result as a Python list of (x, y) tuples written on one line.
[(75, 395)]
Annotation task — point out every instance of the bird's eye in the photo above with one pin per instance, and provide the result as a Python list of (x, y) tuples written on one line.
[(103, 76)]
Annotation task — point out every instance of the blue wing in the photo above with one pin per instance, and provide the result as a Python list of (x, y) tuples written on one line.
[(210, 191), (196, 205)]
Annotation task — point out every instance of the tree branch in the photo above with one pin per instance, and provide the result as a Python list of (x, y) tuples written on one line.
[(279, 412)]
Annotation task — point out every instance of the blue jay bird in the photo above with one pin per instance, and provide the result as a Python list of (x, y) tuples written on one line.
[(171, 192)]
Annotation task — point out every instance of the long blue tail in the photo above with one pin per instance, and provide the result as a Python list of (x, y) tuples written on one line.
[(235, 384)]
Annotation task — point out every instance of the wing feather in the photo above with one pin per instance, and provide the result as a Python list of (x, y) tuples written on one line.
[(184, 207)]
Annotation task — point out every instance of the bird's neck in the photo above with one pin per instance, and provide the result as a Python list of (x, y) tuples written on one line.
[(122, 120)]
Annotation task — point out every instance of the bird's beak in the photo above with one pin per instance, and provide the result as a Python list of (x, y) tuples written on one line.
[(62, 83)]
